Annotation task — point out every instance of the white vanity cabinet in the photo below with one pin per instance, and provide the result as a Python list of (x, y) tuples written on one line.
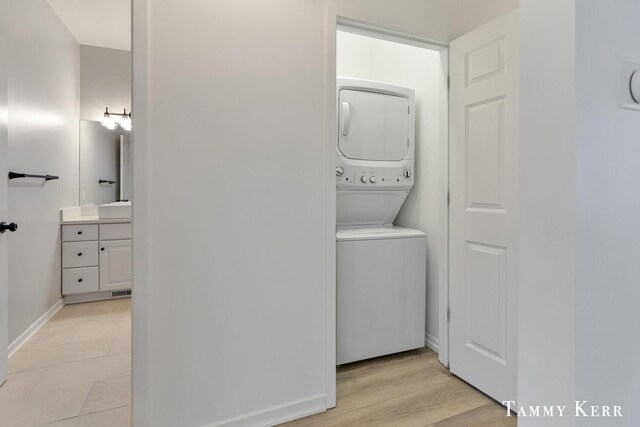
[(115, 257), (96, 257)]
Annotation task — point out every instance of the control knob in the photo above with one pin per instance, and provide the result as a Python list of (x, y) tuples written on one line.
[(339, 171), (372, 180), (363, 179)]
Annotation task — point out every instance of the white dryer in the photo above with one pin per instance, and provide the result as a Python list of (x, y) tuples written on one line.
[(375, 151), (381, 269)]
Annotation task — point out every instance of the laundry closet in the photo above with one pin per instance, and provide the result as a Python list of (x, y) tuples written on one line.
[(390, 194), (427, 200)]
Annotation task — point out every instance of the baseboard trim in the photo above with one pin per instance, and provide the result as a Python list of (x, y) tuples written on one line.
[(278, 414), (90, 297), (31, 330), (432, 342)]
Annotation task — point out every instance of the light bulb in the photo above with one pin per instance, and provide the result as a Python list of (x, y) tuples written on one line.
[(108, 122), (125, 123)]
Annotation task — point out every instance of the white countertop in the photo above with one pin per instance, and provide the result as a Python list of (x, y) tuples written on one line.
[(94, 220), (87, 215)]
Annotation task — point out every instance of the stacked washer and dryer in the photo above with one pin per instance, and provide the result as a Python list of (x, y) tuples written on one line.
[(381, 268)]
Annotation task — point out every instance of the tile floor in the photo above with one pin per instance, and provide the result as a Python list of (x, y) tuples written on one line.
[(75, 371)]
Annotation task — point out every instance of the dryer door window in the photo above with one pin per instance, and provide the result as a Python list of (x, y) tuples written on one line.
[(373, 126)]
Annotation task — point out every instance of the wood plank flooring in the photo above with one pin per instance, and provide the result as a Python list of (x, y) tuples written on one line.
[(406, 390)]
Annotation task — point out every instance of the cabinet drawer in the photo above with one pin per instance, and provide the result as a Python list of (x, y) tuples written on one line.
[(79, 280), (77, 233), (79, 254), (115, 231)]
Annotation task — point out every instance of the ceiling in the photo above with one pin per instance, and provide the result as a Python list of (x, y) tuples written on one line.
[(103, 23)]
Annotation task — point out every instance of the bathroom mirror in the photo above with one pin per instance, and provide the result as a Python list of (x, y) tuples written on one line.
[(105, 164)]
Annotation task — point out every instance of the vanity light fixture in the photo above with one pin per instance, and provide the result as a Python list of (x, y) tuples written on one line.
[(125, 122), (113, 120), (108, 121), (634, 86)]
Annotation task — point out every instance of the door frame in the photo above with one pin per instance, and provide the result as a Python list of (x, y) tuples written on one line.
[(362, 22)]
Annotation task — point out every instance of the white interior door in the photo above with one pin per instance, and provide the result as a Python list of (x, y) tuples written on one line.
[(484, 71), (4, 253)]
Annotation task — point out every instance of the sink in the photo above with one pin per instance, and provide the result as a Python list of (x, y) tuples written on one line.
[(115, 210)]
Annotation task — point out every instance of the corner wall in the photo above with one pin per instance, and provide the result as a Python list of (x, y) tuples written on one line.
[(43, 98), (608, 211), (546, 325), (579, 269), (231, 308)]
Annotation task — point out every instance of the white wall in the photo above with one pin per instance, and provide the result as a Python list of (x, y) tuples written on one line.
[(229, 97), (607, 213), (105, 81), (420, 69), (479, 12), (546, 353), (43, 95)]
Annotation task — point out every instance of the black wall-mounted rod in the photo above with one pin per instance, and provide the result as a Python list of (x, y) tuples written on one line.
[(14, 175), (105, 181)]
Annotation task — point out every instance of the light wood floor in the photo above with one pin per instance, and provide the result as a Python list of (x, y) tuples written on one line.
[(406, 390), (75, 371)]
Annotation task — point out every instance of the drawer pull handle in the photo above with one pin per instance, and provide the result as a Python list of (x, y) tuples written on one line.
[(102, 249), (79, 232), (79, 253), (11, 227), (79, 280)]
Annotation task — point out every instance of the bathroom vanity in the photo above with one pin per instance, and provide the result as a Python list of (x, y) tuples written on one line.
[(96, 236), (96, 255)]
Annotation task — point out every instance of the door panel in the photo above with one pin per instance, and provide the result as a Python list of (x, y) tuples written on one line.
[(486, 281), (484, 206), (484, 145)]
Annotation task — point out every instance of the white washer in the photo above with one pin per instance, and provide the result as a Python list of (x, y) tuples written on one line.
[(381, 276), (381, 269)]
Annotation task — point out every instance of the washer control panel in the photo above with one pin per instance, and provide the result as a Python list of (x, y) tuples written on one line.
[(370, 178)]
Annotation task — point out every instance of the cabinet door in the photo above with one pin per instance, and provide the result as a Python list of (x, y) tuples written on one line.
[(115, 265)]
